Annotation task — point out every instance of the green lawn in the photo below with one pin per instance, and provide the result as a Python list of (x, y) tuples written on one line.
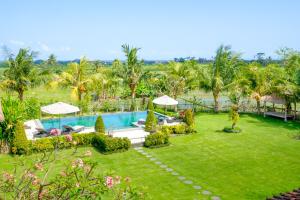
[(261, 161)]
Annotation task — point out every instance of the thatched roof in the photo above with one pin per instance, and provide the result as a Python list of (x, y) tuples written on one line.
[(273, 99)]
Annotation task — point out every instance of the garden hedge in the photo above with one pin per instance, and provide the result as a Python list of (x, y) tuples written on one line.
[(157, 139), (106, 144), (178, 129)]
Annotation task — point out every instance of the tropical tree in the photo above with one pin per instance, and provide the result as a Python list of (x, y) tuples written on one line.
[(51, 60), (18, 77), (98, 65), (132, 71), (179, 77), (222, 72), (76, 78)]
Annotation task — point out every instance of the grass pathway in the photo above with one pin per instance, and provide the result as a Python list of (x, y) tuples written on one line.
[(183, 179)]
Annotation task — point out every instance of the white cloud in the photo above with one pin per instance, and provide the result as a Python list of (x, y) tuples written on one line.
[(17, 42), (44, 46), (65, 48)]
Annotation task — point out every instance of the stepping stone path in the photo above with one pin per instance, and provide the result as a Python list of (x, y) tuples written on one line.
[(188, 182), (206, 192), (197, 187), (175, 174), (169, 169), (181, 178)]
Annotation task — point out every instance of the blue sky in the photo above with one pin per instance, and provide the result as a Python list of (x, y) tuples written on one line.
[(164, 29)]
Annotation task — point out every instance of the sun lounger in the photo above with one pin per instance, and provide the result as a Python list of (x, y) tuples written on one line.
[(72, 129)]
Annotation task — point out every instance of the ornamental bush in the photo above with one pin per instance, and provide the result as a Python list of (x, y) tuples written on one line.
[(151, 122), (61, 142), (20, 144), (150, 105), (99, 126), (106, 144), (189, 118), (157, 139), (178, 129)]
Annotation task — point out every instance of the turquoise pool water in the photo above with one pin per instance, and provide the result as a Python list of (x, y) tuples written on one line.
[(111, 121)]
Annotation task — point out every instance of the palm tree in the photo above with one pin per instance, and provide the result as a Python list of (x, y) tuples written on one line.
[(18, 77), (76, 78), (52, 60), (224, 69), (132, 71), (179, 77)]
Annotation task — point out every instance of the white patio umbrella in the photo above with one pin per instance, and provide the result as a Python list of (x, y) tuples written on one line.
[(60, 108), (165, 101)]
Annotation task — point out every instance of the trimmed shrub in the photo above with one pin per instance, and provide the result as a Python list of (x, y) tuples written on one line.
[(151, 122), (189, 118), (99, 126), (42, 145), (232, 130), (20, 144), (178, 129), (61, 142), (106, 144), (150, 105), (157, 139)]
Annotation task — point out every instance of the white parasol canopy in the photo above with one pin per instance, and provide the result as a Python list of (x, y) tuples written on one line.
[(165, 100), (59, 108)]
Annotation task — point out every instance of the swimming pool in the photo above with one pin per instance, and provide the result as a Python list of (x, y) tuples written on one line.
[(111, 121)]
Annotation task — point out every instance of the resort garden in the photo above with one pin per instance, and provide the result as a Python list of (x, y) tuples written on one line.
[(224, 129)]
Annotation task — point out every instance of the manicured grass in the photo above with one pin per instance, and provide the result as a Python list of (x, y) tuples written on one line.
[(261, 161)]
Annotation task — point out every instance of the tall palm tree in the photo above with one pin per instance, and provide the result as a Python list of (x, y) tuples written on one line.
[(51, 60), (76, 78), (179, 77), (132, 71), (18, 77), (224, 69)]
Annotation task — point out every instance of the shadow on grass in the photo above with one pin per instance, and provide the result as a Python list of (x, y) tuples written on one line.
[(270, 122)]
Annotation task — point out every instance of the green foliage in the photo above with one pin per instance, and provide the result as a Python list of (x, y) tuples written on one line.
[(234, 115), (20, 144), (189, 118), (150, 105), (61, 142), (106, 144), (151, 122), (157, 139), (32, 108), (170, 113), (18, 76), (99, 126), (178, 129), (232, 130)]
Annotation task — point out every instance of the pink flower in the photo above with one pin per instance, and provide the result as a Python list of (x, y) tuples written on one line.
[(87, 168), (88, 153), (77, 163), (35, 181), (69, 138), (109, 182), (8, 177), (39, 166), (117, 180), (63, 173), (55, 132), (127, 179)]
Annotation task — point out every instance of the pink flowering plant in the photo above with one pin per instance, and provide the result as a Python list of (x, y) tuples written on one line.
[(77, 180)]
